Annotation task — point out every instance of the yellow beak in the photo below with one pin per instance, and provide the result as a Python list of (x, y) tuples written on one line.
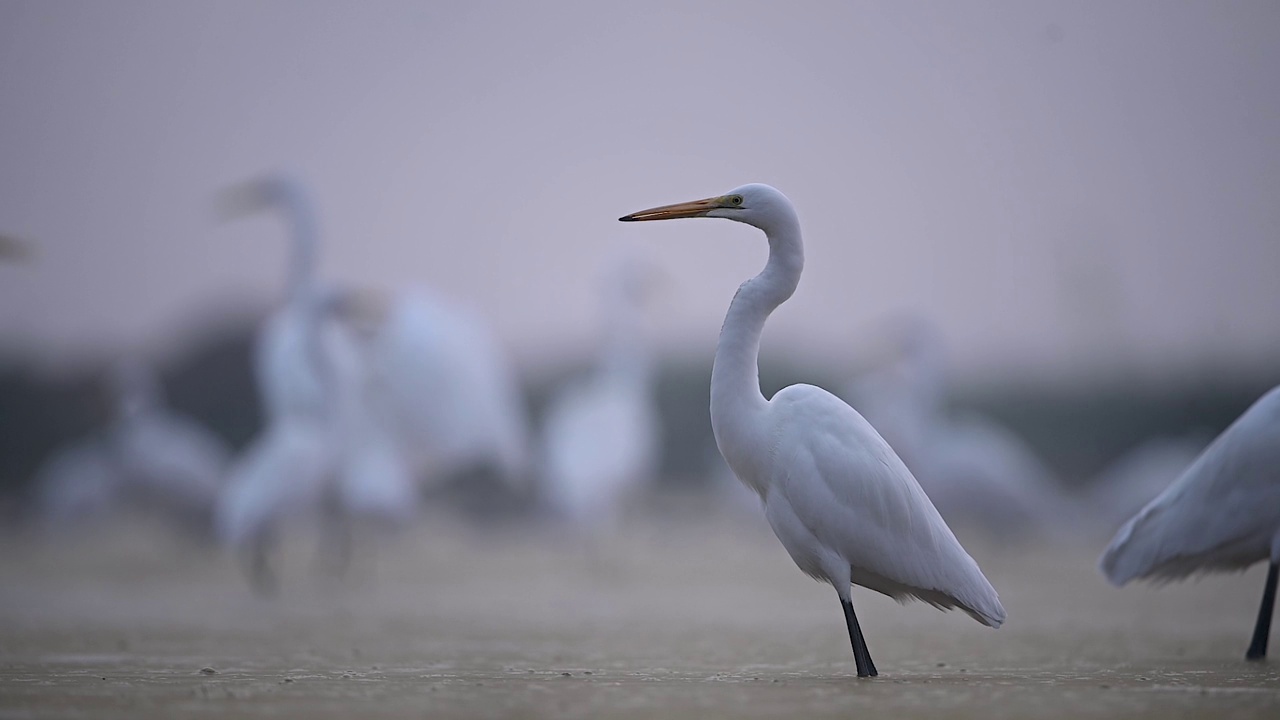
[(693, 208)]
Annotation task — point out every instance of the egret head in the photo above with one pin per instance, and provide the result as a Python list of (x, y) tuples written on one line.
[(134, 386), (756, 204), (14, 250), (259, 194)]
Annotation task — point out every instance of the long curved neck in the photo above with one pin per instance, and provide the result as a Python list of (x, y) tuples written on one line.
[(304, 253), (625, 352), (735, 375)]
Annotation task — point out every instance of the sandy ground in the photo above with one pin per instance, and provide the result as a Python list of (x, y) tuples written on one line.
[(704, 616)]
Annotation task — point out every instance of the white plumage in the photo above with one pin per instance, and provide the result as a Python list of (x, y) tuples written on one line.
[(324, 448), (1222, 514), (448, 391), (149, 458), (841, 501), (601, 436), (284, 471), (846, 508)]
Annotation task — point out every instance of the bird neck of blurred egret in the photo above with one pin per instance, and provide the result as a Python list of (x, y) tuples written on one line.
[(736, 401), (624, 354), (304, 253)]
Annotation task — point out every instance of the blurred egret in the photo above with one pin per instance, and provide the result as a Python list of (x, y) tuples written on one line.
[(601, 433), (285, 471), (292, 468), (285, 363), (448, 393), (148, 457), (324, 448), (167, 461), (1221, 514), (845, 507)]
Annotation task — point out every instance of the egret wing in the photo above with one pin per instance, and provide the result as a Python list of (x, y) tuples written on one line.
[(857, 497)]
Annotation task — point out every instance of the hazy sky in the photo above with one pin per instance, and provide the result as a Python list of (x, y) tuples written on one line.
[(1062, 186)]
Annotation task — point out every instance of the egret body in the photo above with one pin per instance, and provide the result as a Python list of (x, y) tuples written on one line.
[(845, 507), (1221, 514), (148, 457), (602, 432), (325, 445)]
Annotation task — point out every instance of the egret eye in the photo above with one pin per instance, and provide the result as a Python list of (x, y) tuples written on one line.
[(736, 200)]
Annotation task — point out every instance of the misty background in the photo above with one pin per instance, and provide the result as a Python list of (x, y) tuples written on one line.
[(1080, 196)]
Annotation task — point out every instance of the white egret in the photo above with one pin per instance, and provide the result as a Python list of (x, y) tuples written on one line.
[(147, 457), (1221, 514), (448, 392), (292, 467), (601, 437), (845, 507), (166, 461), (288, 377), (285, 471), (324, 449)]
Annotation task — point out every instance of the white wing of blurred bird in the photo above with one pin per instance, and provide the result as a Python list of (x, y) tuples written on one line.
[(1222, 514), (449, 391), (374, 478), (149, 457), (167, 462)]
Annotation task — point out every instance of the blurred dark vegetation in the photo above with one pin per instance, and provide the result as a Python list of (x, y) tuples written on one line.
[(1076, 430)]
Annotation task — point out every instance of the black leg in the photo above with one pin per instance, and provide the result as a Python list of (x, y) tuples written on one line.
[(261, 577), (1258, 648), (335, 544), (861, 656)]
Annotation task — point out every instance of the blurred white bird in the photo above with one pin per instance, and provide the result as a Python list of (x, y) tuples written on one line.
[(324, 451), (601, 437), (976, 471), (148, 458), (167, 461), (841, 501), (448, 392), (284, 472), (1221, 514)]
